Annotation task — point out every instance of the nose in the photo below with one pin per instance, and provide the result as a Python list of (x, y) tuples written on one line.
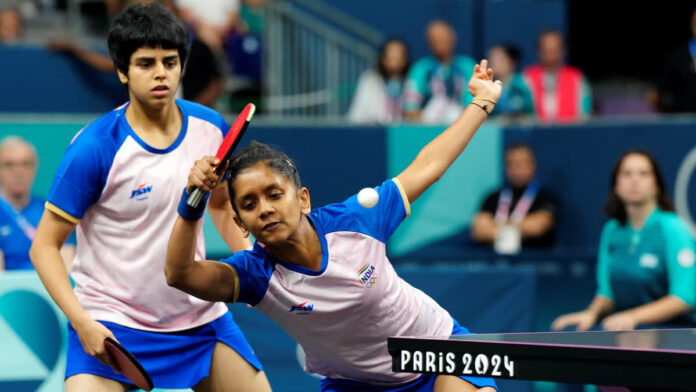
[(159, 70), (265, 208)]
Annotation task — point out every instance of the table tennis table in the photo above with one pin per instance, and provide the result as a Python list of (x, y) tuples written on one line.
[(614, 361)]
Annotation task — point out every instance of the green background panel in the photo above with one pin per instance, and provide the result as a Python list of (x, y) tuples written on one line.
[(447, 206)]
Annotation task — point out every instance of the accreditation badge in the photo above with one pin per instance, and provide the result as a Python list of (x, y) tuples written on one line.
[(508, 240)]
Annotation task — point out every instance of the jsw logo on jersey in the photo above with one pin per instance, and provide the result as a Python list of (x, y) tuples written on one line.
[(141, 192), (302, 308)]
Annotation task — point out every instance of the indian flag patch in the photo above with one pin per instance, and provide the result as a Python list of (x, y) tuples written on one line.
[(367, 275)]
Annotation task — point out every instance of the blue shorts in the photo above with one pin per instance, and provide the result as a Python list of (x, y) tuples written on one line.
[(424, 383), (175, 360)]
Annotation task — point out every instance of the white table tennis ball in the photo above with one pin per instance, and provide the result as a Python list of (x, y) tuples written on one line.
[(368, 197)]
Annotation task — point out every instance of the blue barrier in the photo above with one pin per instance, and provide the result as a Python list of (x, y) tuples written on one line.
[(39, 81)]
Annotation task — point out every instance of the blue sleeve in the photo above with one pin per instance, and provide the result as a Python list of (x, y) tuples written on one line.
[(80, 177), (680, 256), (603, 262), (378, 222), (253, 274)]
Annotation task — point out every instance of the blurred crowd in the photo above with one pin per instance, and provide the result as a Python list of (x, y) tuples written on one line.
[(227, 42), (434, 89)]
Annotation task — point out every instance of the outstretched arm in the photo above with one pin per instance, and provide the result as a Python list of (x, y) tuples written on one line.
[(434, 159), (207, 280)]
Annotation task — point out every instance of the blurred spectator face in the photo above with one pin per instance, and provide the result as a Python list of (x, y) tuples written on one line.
[(10, 25), (502, 65), (17, 168), (441, 40), (693, 23), (520, 166), (394, 58), (551, 50), (635, 181)]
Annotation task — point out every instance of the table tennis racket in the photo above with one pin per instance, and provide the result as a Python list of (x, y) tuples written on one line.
[(224, 152), (128, 365)]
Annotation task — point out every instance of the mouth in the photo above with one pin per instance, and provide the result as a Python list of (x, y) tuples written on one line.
[(271, 226), (160, 90)]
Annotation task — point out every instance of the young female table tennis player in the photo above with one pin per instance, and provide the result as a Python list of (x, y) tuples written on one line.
[(116, 184), (323, 275)]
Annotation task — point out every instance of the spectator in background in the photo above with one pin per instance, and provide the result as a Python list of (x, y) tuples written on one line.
[(20, 211), (378, 97), (520, 214), (436, 87), (676, 88), (201, 82), (560, 91), (516, 98), (645, 267), (212, 21), (10, 25), (245, 54)]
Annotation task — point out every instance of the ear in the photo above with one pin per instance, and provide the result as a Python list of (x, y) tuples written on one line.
[(305, 202), (121, 76), (242, 226)]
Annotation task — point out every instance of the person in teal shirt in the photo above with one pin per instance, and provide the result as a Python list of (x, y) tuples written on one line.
[(645, 271), (516, 98), (436, 86)]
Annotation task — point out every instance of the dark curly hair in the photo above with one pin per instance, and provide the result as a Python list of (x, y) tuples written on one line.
[(149, 25), (258, 152)]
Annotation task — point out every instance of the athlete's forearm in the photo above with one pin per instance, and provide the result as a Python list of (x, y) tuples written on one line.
[(207, 280), (49, 265), (180, 252), (51, 234), (434, 159)]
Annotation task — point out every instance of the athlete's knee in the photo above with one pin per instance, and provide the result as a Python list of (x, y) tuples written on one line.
[(84, 382)]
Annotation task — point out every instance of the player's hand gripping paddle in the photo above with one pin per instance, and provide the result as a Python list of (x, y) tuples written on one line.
[(228, 145), (128, 365)]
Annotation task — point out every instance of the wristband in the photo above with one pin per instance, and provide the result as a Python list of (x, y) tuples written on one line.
[(190, 213), (487, 100), (484, 107)]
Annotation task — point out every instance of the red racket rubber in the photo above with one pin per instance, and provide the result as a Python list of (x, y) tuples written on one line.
[(224, 152), (128, 365)]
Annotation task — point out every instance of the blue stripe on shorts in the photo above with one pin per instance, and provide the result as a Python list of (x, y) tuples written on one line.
[(424, 383), (175, 360)]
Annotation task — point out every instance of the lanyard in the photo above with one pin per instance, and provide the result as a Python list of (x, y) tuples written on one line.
[(28, 229), (522, 207)]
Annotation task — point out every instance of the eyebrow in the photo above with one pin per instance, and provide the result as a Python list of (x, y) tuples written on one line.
[(151, 58)]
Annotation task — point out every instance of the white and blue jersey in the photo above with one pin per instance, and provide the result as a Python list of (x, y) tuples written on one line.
[(343, 313), (123, 194)]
